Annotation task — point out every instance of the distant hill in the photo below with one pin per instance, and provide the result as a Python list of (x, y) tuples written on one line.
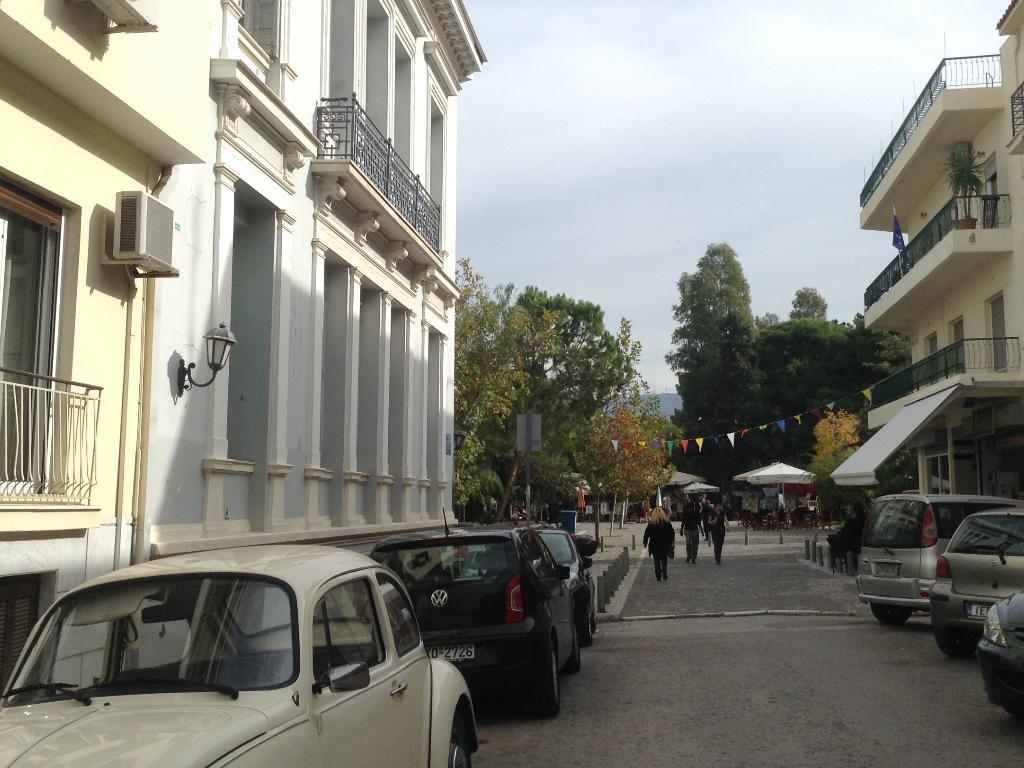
[(668, 402)]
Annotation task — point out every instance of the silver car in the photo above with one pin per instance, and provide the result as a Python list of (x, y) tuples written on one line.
[(983, 564), (903, 537)]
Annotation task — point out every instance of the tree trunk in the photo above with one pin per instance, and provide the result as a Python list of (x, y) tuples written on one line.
[(509, 483)]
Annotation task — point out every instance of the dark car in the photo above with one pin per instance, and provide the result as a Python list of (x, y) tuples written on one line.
[(493, 602), (1001, 654), (569, 551)]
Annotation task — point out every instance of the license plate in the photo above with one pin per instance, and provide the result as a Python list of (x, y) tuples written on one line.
[(452, 652), (976, 610), (886, 569)]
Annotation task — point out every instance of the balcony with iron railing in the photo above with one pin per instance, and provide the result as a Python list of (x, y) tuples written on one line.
[(48, 430), (995, 355), (959, 98), (348, 135), (987, 211)]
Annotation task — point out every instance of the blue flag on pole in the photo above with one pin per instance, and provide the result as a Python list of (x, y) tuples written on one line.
[(897, 234)]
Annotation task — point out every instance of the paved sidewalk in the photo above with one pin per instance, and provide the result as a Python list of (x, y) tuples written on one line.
[(762, 576)]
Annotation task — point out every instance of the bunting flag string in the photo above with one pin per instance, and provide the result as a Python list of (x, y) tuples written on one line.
[(668, 446)]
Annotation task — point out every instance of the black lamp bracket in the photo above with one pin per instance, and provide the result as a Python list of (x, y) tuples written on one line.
[(185, 380)]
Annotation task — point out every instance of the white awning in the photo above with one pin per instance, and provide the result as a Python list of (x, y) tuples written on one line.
[(860, 468)]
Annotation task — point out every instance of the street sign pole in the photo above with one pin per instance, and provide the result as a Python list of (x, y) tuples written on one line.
[(528, 442)]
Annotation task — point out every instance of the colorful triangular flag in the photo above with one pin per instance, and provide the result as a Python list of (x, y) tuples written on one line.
[(799, 418), (700, 444), (615, 445), (732, 439), (686, 444), (781, 424), (867, 394)]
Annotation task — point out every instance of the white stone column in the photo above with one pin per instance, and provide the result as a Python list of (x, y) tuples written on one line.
[(354, 480), (403, 382), (315, 474), (424, 413), (278, 467), (216, 450), (383, 480), (444, 427)]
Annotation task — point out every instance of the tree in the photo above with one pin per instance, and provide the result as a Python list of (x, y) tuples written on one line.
[(714, 359), (493, 339), (808, 303), (766, 320), (836, 437)]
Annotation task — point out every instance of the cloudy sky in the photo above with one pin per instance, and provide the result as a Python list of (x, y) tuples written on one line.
[(606, 143)]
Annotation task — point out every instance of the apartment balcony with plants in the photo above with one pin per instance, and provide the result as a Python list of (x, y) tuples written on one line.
[(967, 233), (960, 98)]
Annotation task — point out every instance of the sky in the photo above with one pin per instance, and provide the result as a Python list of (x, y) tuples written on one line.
[(605, 144)]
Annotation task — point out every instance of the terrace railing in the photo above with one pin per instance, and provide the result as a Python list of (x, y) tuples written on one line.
[(347, 132), (1017, 111), (48, 432), (989, 211), (977, 354), (962, 72)]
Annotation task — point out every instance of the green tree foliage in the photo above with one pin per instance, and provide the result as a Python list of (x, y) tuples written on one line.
[(715, 361), (494, 338), (765, 320), (836, 437), (808, 303)]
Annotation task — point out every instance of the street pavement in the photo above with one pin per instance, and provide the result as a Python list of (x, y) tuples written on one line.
[(763, 690)]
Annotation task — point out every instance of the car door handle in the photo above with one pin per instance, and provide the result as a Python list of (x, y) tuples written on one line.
[(399, 689)]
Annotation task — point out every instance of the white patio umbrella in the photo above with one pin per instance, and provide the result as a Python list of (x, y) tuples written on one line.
[(683, 478), (700, 488), (775, 474)]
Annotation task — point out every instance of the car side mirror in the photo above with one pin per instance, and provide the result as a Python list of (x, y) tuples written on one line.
[(563, 572), (349, 677), (585, 562)]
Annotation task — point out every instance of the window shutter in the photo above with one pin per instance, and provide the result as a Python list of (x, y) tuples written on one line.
[(264, 24), (18, 602)]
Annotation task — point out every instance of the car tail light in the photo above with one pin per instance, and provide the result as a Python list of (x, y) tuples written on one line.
[(514, 601), (929, 530), (942, 569)]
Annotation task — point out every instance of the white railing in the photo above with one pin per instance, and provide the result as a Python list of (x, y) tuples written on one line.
[(47, 438)]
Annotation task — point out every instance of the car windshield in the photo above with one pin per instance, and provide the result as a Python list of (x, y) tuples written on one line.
[(559, 545), (990, 535), (448, 563), (894, 523), (187, 633)]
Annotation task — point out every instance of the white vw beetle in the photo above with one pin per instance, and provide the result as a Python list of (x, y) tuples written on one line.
[(261, 656)]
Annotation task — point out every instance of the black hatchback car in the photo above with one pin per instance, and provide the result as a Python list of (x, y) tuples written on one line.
[(493, 602)]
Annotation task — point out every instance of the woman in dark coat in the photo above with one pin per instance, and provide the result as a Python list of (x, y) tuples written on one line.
[(716, 529), (660, 538)]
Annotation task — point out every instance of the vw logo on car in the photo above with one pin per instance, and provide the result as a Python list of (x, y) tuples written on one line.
[(439, 598)]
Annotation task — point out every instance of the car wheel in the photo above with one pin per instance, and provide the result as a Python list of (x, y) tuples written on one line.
[(458, 745), (548, 696), (890, 615), (575, 661), (955, 642)]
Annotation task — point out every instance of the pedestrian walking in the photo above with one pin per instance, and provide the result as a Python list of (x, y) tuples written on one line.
[(705, 513), (716, 523), (689, 529), (660, 540)]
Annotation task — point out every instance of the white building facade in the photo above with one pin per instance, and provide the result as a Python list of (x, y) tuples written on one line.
[(321, 233)]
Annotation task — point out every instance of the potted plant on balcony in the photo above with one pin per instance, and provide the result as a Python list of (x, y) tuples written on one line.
[(964, 174)]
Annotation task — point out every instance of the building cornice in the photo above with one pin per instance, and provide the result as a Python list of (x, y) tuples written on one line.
[(461, 41)]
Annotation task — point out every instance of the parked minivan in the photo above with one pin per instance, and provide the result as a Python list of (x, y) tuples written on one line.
[(903, 537)]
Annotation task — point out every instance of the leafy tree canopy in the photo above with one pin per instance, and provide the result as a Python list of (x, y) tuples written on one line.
[(808, 303)]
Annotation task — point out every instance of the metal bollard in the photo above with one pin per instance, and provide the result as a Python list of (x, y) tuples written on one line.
[(746, 536), (634, 542), (780, 535), (601, 588), (821, 556), (851, 564), (807, 549)]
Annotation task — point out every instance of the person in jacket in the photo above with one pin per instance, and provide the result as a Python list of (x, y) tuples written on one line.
[(716, 528), (659, 538), (705, 512), (689, 529)]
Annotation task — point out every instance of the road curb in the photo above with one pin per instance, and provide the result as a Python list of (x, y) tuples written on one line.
[(735, 615)]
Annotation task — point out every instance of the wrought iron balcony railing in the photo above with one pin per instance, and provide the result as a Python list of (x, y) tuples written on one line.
[(989, 212), (1017, 111), (347, 132), (962, 72), (47, 438), (980, 354)]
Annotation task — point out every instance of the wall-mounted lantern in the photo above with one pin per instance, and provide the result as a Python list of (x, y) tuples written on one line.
[(219, 341), (460, 438)]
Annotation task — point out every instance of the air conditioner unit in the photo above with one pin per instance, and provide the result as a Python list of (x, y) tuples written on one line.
[(143, 234), (130, 15)]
